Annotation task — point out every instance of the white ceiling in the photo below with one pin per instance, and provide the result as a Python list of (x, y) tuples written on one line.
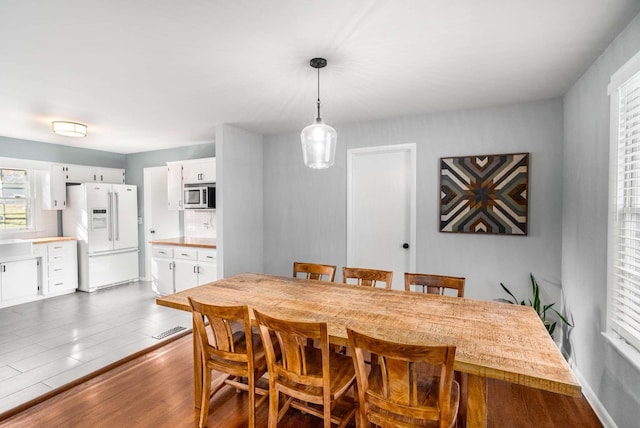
[(153, 74)]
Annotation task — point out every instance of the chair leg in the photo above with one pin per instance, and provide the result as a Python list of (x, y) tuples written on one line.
[(252, 401), (326, 408), (273, 407), (206, 391)]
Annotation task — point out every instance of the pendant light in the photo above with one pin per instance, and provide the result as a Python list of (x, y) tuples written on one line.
[(318, 139)]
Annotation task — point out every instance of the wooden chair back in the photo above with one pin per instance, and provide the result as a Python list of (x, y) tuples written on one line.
[(434, 284), (236, 352), (314, 271), (304, 373), (401, 389), (367, 277)]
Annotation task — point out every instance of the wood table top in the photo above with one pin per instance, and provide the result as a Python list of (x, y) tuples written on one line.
[(493, 340)]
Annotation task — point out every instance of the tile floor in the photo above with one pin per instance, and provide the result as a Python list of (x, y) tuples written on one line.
[(48, 343)]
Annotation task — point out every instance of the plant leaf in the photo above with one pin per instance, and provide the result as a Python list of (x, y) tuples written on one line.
[(535, 288), (504, 287), (564, 320)]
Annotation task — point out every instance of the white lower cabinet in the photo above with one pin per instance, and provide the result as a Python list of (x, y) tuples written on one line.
[(177, 268), (50, 270), (18, 279), (61, 267), (162, 270)]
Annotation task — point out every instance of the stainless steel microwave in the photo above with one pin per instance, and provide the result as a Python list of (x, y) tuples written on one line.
[(200, 197)]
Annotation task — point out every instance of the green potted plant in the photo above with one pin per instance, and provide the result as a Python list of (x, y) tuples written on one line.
[(537, 305)]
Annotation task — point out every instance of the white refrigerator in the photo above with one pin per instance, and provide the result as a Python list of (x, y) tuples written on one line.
[(104, 218)]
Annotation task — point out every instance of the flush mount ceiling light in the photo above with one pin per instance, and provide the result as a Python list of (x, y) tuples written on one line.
[(69, 129), (318, 139)]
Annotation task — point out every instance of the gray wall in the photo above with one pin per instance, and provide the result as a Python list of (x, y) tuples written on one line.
[(135, 164), (584, 233), (305, 210), (24, 149), (240, 203)]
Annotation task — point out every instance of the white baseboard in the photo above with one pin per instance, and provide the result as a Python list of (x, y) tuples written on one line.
[(593, 399)]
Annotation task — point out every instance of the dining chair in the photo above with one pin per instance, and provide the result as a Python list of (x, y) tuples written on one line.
[(239, 353), (314, 271), (305, 374), (367, 277), (395, 392), (434, 284)]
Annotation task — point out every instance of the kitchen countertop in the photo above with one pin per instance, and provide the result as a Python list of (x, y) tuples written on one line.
[(187, 242), (51, 239)]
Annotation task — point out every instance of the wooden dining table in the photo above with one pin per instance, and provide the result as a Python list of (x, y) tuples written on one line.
[(493, 340)]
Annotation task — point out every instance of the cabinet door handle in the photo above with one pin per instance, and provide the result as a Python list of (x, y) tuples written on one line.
[(171, 266)]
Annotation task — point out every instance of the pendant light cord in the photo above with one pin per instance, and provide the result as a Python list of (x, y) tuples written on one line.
[(318, 115)]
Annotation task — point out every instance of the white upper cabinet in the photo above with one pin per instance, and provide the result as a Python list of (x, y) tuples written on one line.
[(54, 192), (91, 174), (174, 185), (110, 175), (199, 171), (54, 189)]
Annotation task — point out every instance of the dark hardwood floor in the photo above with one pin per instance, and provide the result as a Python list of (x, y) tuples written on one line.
[(156, 390)]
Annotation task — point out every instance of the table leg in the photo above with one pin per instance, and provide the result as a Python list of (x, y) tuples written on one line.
[(476, 401), (197, 370)]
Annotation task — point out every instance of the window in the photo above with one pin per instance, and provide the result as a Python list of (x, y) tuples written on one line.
[(623, 317), (15, 200)]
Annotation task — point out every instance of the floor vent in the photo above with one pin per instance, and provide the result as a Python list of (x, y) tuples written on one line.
[(169, 332)]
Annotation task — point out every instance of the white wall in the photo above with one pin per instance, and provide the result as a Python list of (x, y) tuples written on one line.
[(239, 201), (584, 233), (305, 210)]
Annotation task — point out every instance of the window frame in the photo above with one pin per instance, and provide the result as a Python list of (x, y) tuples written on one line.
[(627, 344), (30, 199)]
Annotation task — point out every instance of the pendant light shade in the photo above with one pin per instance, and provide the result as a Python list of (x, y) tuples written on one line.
[(318, 139)]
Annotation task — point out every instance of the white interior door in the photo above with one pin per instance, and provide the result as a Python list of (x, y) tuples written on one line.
[(159, 221), (381, 207)]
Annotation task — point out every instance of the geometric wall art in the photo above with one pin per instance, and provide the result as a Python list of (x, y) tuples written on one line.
[(485, 194)]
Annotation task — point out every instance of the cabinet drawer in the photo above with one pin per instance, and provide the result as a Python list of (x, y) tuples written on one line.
[(207, 255), (59, 283), (58, 268), (59, 247), (166, 252), (185, 253), (57, 258)]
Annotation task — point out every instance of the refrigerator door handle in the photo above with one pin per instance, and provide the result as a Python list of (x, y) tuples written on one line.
[(116, 216), (110, 218)]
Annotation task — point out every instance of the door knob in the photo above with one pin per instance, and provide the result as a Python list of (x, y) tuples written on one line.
[(405, 245), (152, 231)]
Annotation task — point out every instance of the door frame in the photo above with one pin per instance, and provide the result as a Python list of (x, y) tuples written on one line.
[(412, 149), (147, 218)]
